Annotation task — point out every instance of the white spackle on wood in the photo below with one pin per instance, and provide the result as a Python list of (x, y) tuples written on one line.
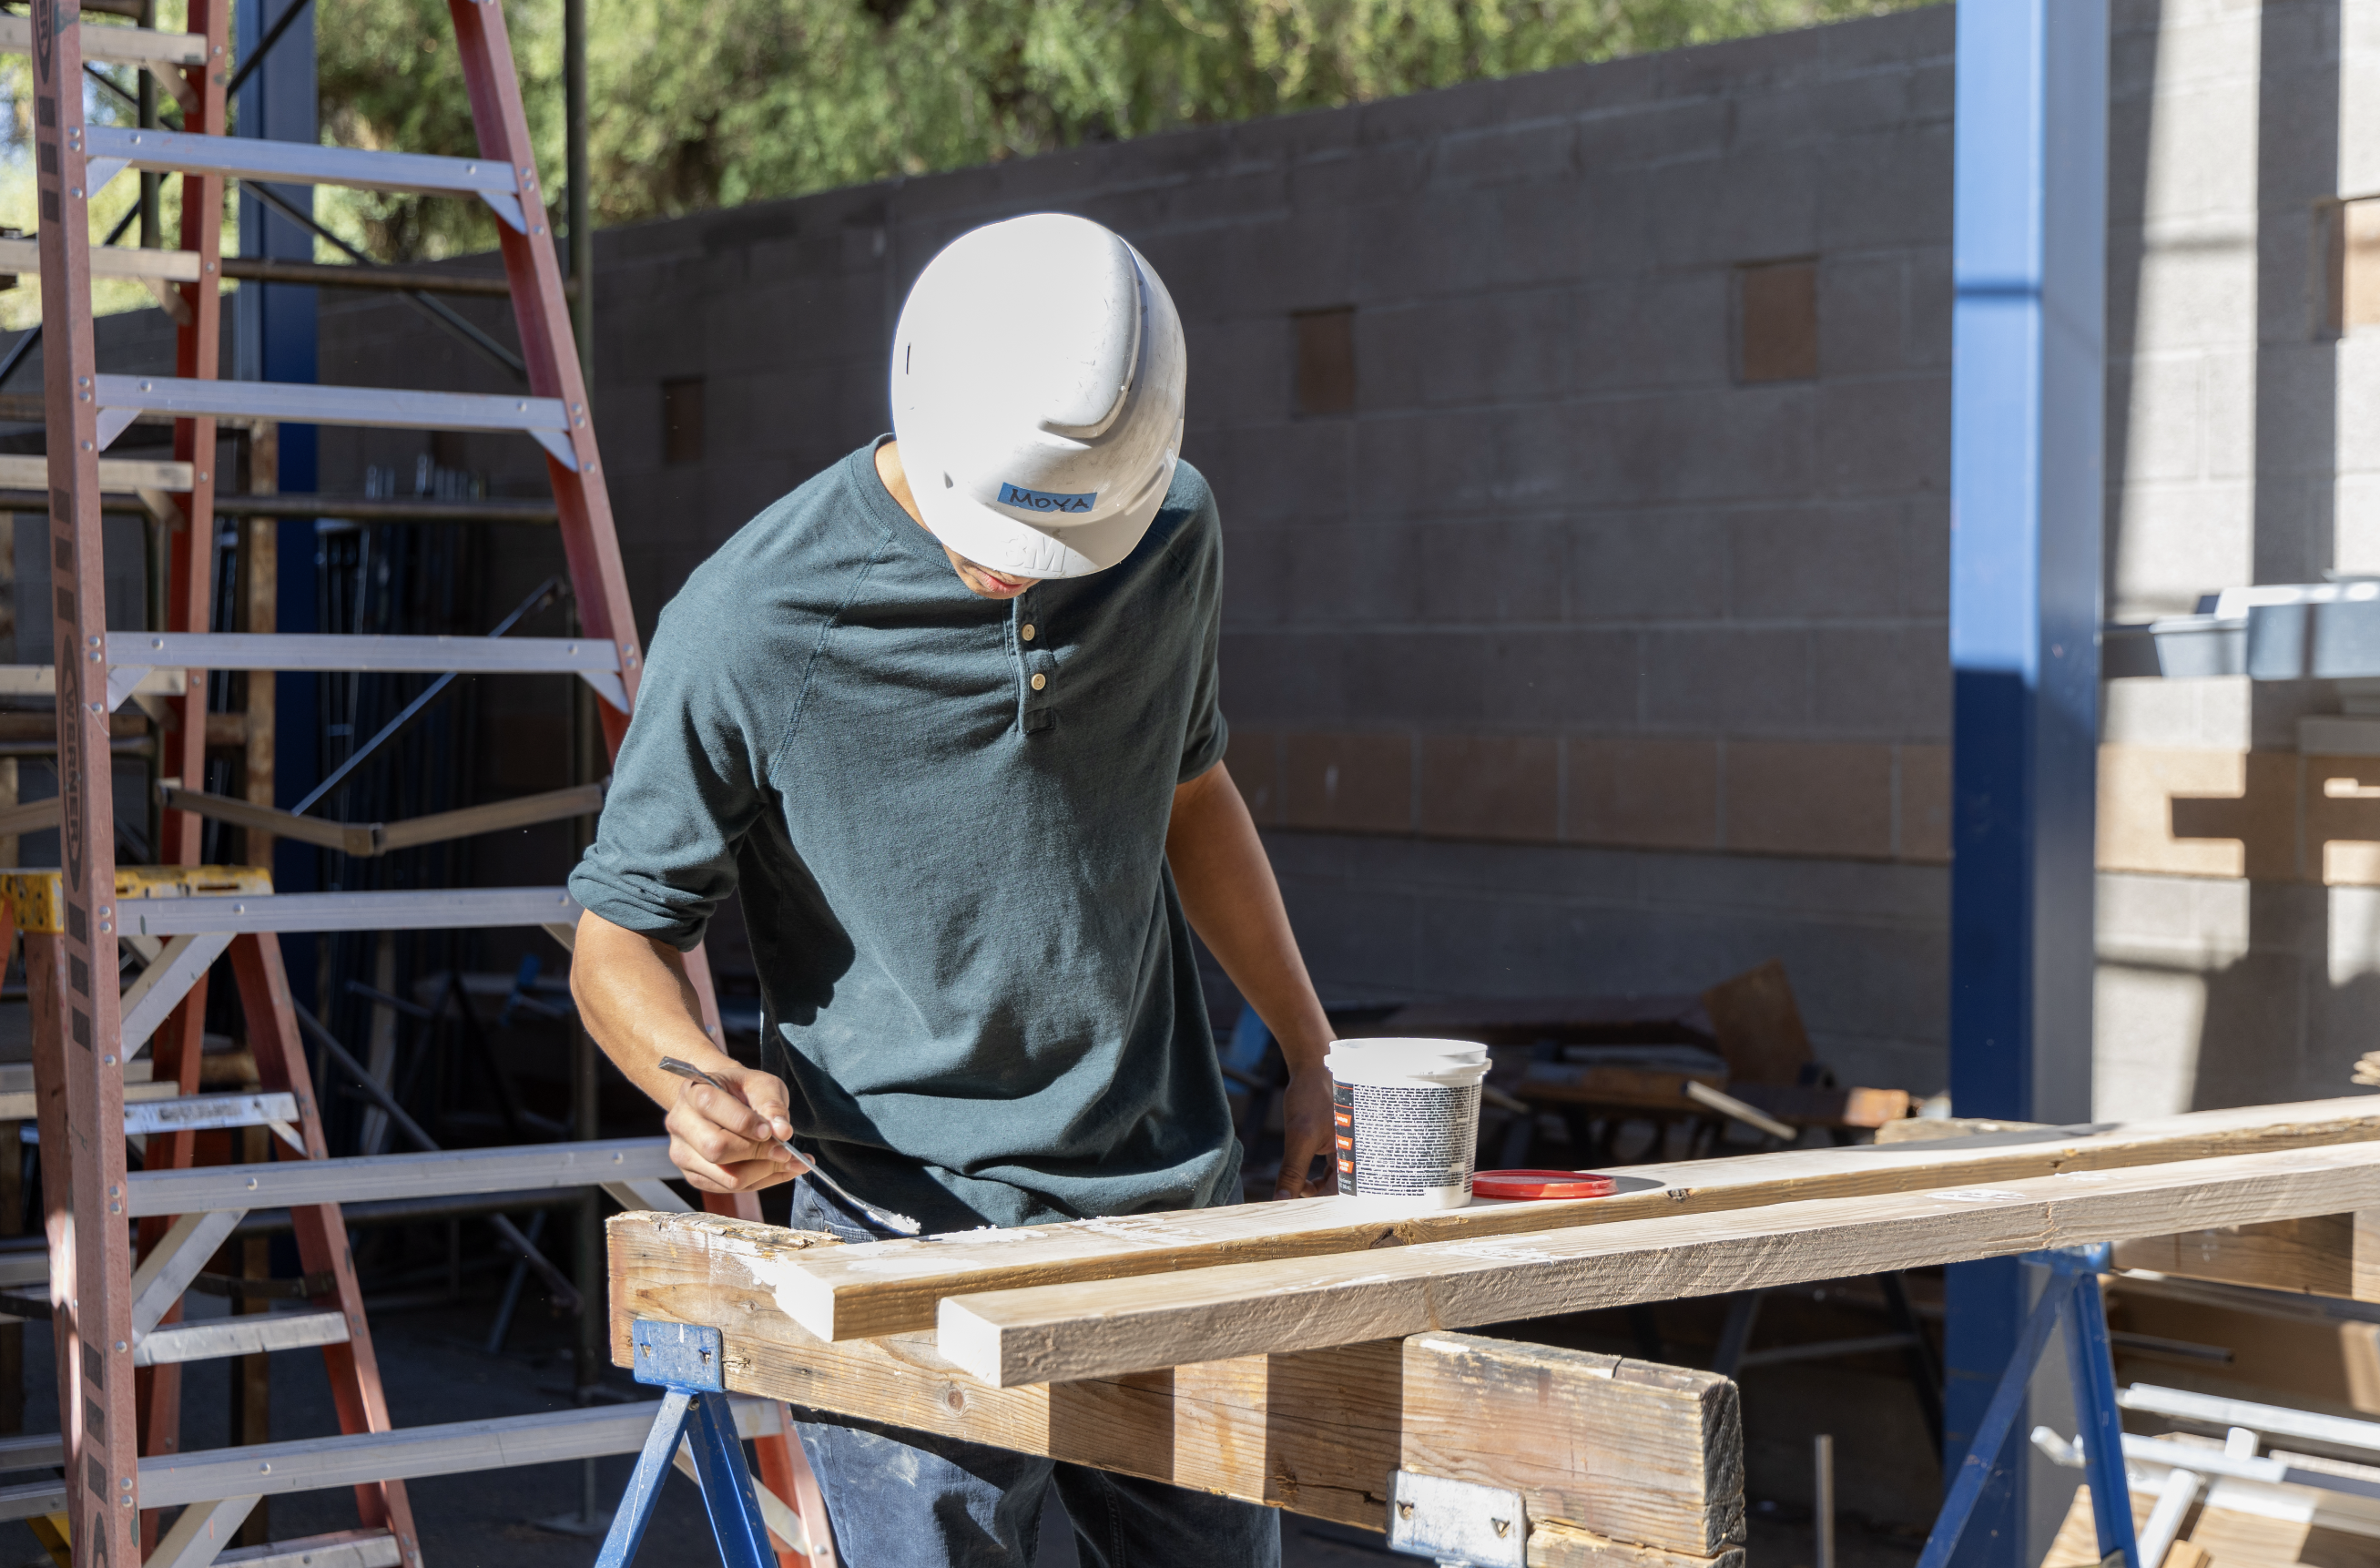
[(1496, 1252), (1976, 1194), (779, 1276)]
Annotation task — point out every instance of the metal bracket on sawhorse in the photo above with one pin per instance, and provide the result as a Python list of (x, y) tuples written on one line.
[(690, 1362), (1459, 1524), (2072, 1297)]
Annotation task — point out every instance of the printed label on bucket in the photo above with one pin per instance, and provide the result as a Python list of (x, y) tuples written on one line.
[(1398, 1142)]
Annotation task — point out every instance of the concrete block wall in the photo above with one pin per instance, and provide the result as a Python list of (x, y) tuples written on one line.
[(1570, 657), (1593, 639)]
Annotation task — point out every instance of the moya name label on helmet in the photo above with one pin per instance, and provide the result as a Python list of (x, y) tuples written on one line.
[(1045, 501)]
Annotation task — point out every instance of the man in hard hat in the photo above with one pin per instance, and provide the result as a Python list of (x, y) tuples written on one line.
[(947, 717)]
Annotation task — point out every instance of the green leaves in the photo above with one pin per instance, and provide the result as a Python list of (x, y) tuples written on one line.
[(730, 100)]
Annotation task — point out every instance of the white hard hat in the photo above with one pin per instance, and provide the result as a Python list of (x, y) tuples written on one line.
[(1037, 378)]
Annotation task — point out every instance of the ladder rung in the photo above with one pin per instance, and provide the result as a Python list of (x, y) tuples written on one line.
[(272, 651), (30, 1499), (123, 45), (110, 149), (121, 399), (346, 1549), (443, 1173), (592, 660), (410, 909), (212, 1339), (120, 476), (23, 257), (197, 1112), (503, 1443), (42, 1450)]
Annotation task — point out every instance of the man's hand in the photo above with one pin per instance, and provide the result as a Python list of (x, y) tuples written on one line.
[(1306, 1131), (722, 1143)]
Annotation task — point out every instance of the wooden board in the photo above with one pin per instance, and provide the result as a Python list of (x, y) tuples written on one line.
[(2324, 1255), (1116, 1326), (1758, 1026), (892, 1287), (1642, 1457)]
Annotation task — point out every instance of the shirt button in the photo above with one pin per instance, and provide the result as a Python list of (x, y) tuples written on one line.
[(1028, 631), (1041, 681)]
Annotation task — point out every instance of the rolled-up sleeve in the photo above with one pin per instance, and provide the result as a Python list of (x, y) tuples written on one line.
[(685, 789)]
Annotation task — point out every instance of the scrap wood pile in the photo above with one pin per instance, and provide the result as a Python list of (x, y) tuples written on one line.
[(1294, 1353)]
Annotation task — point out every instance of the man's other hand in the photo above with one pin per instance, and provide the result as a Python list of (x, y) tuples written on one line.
[(729, 1142), (1306, 1133)]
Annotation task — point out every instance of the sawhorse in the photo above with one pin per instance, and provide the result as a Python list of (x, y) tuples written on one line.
[(690, 1362), (2073, 1295)]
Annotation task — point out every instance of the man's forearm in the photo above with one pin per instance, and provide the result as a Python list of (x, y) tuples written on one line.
[(1234, 903), (636, 999)]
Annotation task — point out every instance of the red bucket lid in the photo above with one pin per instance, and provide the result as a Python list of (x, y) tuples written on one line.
[(1541, 1184)]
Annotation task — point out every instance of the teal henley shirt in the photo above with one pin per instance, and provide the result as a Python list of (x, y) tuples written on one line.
[(947, 818)]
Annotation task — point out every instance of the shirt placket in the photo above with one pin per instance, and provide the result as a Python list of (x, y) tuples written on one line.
[(1037, 668)]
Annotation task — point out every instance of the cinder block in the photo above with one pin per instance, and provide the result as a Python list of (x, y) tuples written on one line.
[(1270, 474), (1777, 322), (1668, 565), (1489, 786), (1258, 590), (1826, 562), (2342, 819), (1352, 576), (1347, 782), (1753, 443), (1861, 314), (1652, 133), (1886, 681), (1284, 679), (1720, 681), (1470, 160), (2166, 545), (1886, 436), (1924, 813), (1887, 188), (1652, 330), (1254, 758), (1753, 205), (1467, 461), (1509, 346), (1799, 799), (1644, 793), (1508, 679), (1928, 343), (1488, 570), (1331, 180)]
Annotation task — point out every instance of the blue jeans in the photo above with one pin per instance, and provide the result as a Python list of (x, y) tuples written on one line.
[(897, 1498)]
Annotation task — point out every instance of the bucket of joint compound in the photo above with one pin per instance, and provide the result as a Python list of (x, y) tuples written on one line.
[(1407, 1118)]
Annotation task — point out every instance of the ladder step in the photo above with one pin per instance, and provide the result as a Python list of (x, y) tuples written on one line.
[(131, 654), (212, 1339), (42, 1450), (399, 910), (443, 1174), (197, 1112), (120, 45), (344, 1549), (23, 257), (505, 1442), (30, 1499), (111, 149), (17, 1101), (122, 399), (118, 476)]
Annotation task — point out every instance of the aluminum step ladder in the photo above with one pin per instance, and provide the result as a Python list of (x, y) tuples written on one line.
[(122, 1246)]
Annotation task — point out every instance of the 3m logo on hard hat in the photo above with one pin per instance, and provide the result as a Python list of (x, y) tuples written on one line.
[(1044, 500)]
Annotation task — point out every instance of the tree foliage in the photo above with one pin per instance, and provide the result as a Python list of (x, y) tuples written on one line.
[(698, 105)]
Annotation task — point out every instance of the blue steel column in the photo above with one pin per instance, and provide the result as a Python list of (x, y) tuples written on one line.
[(2028, 335), (274, 341)]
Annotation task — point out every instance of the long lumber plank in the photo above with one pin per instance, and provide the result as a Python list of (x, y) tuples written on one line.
[(892, 1287), (2326, 1254), (1057, 1333), (1646, 1458)]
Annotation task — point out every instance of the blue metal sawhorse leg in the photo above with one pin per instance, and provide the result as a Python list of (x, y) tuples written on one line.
[(2073, 1295), (690, 1362)]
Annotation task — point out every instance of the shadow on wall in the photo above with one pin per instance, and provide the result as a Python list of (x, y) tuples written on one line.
[(2279, 998)]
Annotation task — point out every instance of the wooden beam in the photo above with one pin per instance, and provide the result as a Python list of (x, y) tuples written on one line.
[(892, 1287), (2322, 1255), (1645, 1459), (1118, 1326)]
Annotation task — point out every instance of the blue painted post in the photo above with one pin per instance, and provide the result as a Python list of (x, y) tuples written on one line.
[(2027, 384), (274, 341)]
